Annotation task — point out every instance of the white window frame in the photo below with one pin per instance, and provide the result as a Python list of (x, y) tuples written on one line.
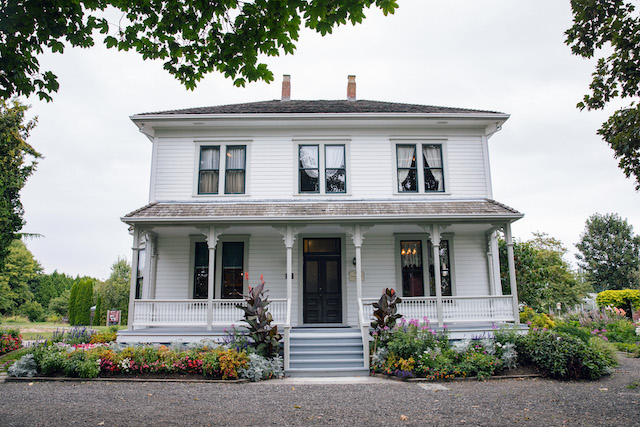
[(418, 143), (223, 144), (322, 171)]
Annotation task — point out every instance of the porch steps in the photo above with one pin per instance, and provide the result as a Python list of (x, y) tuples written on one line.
[(322, 352)]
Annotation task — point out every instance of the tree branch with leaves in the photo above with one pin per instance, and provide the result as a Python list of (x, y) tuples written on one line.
[(191, 37), (612, 26)]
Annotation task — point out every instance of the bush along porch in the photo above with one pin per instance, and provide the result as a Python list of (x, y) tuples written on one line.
[(559, 348)]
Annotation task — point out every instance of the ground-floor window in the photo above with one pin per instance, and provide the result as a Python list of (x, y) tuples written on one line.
[(232, 269), (412, 270), (140, 273), (201, 271), (229, 260)]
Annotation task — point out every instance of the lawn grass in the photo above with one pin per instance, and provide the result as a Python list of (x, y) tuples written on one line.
[(23, 324)]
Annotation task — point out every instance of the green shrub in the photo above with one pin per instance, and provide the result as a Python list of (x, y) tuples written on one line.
[(73, 297), (53, 362), (573, 328), (536, 320), (622, 331), (624, 299), (606, 350), (564, 356), (33, 310), (632, 349), (53, 318), (88, 368)]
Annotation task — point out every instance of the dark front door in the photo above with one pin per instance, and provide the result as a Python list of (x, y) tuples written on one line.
[(322, 293)]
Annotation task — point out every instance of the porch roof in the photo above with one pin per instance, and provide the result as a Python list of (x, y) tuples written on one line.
[(370, 211)]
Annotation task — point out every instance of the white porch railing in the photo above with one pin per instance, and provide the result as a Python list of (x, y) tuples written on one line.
[(456, 309), (193, 312)]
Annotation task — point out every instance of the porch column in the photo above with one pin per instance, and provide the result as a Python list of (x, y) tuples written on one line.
[(211, 234), (151, 243), (134, 276), (492, 278), (435, 242), (357, 235), (512, 271), (153, 267)]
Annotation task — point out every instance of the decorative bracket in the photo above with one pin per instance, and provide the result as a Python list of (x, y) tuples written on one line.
[(212, 234), (289, 234), (357, 233)]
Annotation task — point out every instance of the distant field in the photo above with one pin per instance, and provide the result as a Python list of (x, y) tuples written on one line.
[(40, 330)]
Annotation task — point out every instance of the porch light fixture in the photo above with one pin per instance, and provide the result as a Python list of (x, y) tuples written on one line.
[(354, 261)]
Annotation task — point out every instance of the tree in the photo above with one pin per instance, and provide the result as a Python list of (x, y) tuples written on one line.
[(609, 252), (612, 26), (73, 298), (60, 304), (16, 277), (49, 286), (14, 170), (191, 37), (543, 277), (83, 302), (114, 292)]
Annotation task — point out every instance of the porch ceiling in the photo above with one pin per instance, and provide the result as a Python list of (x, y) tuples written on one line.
[(484, 210)]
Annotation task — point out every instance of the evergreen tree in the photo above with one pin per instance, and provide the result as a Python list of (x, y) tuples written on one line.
[(72, 303), (84, 301), (98, 313)]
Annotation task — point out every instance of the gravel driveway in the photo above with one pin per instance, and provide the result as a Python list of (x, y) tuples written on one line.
[(609, 401)]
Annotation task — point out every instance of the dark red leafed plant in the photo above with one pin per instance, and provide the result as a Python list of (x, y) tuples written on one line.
[(266, 338)]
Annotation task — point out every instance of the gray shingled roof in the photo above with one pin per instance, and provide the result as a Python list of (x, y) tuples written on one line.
[(320, 210), (320, 106)]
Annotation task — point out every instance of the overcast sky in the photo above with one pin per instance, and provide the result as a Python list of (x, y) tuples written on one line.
[(501, 55)]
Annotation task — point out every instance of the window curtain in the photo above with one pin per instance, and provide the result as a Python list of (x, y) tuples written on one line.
[(432, 159), (209, 164), (335, 169), (309, 160), (334, 159), (235, 170), (405, 159)]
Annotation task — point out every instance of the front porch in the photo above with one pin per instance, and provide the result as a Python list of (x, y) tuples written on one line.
[(194, 264)]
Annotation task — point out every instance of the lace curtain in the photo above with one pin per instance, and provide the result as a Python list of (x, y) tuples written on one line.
[(235, 166), (432, 167), (209, 174)]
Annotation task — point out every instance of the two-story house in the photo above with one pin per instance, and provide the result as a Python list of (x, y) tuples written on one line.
[(330, 202)]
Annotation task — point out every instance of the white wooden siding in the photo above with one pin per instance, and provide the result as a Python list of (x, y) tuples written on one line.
[(172, 274), (272, 169), (174, 169), (466, 167), (470, 268)]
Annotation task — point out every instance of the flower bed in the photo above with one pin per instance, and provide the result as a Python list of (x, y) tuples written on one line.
[(10, 340), (414, 350), (206, 359)]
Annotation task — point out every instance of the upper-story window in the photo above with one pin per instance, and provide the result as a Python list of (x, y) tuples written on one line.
[(234, 169), (322, 168), (420, 168)]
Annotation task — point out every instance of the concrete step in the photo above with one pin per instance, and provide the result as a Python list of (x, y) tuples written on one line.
[(322, 372)]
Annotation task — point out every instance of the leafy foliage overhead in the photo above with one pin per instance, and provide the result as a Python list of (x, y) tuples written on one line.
[(191, 37), (612, 26), (609, 252)]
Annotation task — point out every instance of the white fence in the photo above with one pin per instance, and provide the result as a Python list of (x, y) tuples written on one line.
[(454, 309), (193, 312)]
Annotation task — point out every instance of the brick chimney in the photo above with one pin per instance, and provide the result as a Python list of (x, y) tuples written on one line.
[(286, 87), (351, 89)]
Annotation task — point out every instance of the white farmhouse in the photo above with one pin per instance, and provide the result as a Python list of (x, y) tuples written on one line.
[(330, 202)]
